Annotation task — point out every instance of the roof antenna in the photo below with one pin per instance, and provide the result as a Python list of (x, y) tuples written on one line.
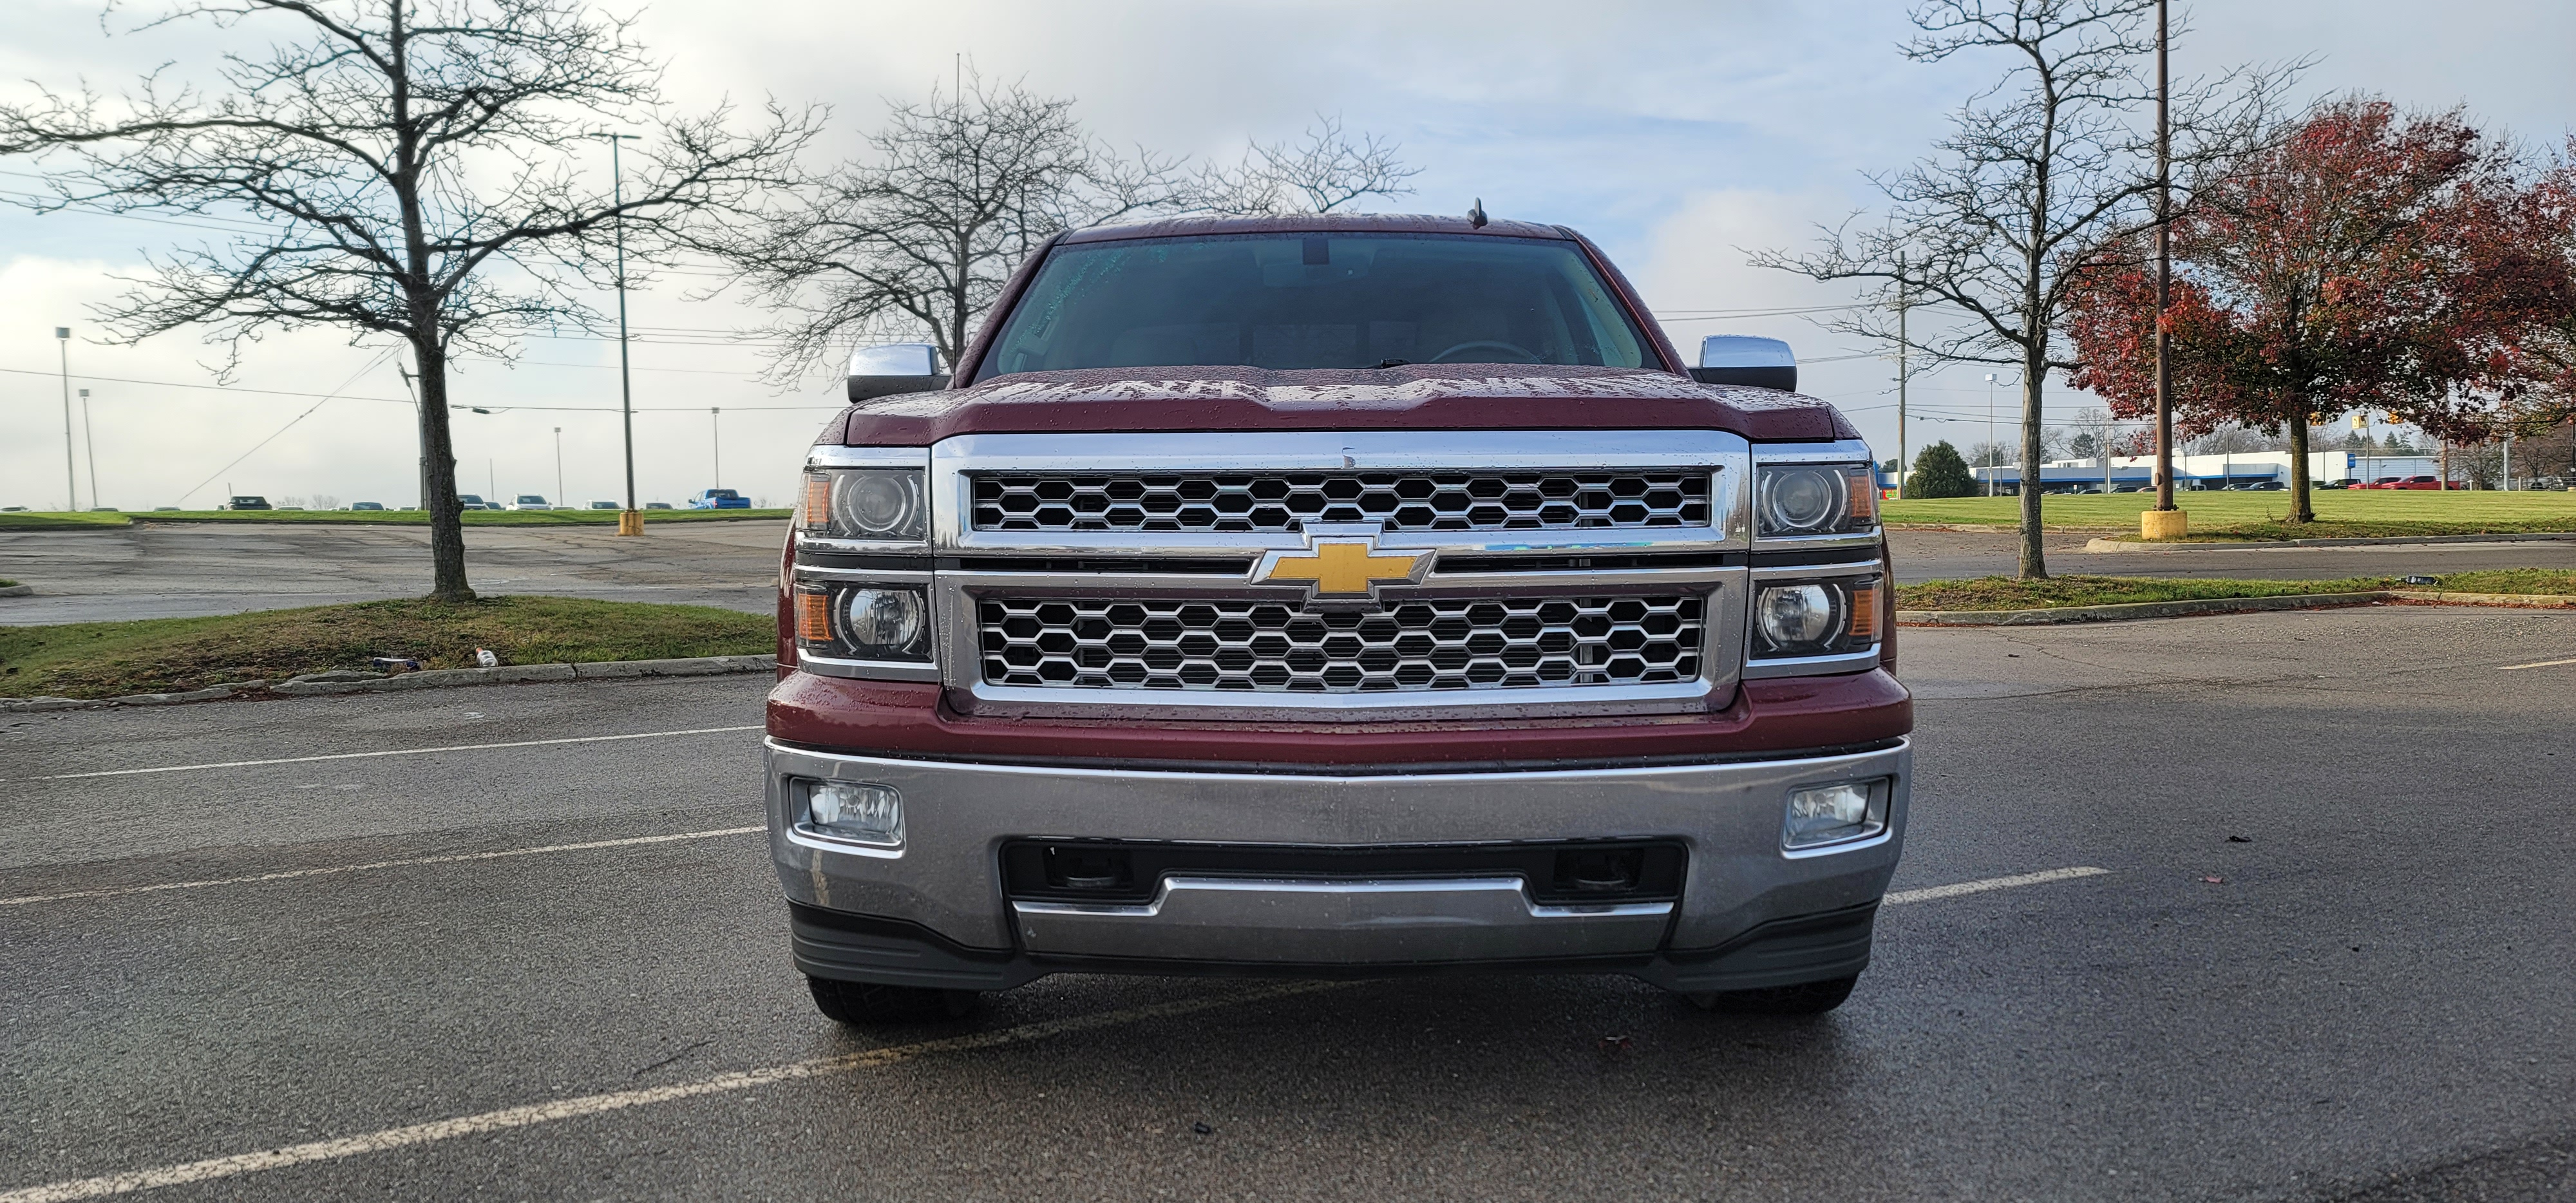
[(1476, 215)]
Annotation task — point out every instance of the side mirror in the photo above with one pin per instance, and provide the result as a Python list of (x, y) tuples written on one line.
[(1747, 360), (895, 368)]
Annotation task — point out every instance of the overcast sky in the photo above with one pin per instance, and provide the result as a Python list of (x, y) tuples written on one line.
[(1675, 134)]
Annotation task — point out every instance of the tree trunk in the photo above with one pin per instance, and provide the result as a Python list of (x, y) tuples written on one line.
[(446, 517), (2300, 510), (2034, 376)]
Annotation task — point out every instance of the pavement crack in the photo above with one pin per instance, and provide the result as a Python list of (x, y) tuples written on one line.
[(692, 1047)]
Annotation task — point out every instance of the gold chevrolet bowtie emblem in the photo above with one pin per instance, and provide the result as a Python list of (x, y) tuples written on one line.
[(1344, 568)]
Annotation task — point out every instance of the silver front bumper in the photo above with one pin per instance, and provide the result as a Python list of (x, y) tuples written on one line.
[(946, 879)]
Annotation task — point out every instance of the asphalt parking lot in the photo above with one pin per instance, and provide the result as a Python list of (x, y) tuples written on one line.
[(311, 959), (182, 569), (170, 570)]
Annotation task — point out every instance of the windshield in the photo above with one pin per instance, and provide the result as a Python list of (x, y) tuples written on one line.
[(1315, 301)]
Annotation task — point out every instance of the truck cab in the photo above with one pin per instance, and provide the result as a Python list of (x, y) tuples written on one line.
[(1334, 595)]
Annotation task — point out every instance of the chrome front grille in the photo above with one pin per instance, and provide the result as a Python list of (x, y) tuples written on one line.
[(1410, 645), (1287, 501)]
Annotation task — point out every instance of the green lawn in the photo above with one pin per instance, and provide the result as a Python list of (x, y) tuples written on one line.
[(2341, 513), (2007, 593), (160, 655), (42, 521)]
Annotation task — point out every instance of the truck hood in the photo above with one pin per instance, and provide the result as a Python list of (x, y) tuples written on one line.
[(1414, 397)]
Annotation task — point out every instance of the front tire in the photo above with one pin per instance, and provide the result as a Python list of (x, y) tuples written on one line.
[(1805, 998), (867, 1005)]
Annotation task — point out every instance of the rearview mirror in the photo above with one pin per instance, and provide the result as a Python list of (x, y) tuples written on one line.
[(895, 368), (1747, 360)]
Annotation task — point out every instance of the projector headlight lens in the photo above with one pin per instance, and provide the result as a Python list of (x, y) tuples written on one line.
[(1814, 499), (1834, 616), (884, 504), (886, 623)]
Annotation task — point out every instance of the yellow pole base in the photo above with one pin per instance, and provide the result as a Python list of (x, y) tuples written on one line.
[(630, 522), (2163, 524)]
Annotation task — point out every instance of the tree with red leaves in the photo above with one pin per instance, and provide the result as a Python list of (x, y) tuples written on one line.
[(2364, 259)]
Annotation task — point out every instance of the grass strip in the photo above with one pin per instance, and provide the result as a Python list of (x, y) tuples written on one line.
[(24, 520), (2008, 593), (165, 655), (2245, 517)]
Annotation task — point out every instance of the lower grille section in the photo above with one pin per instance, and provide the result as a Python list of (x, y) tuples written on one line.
[(1280, 647)]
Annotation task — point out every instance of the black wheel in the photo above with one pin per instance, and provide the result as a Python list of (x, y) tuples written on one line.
[(1805, 998), (862, 1004)]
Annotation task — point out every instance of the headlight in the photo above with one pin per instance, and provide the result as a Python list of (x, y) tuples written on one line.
[(864, 622), (883, 504), (1815, 618), (1832, 814), (1814, 499)]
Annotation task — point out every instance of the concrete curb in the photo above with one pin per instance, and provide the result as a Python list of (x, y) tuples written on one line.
[(341, 681), (2100, 545), (2132, 610), (2225, 605), (1995, 528), (16, 590)]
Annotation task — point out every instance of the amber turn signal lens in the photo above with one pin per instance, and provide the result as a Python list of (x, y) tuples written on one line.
[(1863, 512), (814, 617), (1864, 616), (818, 502)]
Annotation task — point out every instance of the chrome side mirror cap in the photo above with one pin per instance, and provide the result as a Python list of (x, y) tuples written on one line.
[(883, 371), (1747, 360)]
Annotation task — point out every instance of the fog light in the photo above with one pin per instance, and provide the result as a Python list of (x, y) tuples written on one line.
[(856, 811), (1828, 814)]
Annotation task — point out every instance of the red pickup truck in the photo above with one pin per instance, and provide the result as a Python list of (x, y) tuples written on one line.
[(1333, 595)]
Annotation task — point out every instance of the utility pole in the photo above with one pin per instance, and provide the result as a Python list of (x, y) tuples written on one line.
[(631, 520), (715, 445), (2160, 527), (559, 490), (89, 439), (1990, 428), (71, 475)]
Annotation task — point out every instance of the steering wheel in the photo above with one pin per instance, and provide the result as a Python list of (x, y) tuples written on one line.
[(1526, 355)]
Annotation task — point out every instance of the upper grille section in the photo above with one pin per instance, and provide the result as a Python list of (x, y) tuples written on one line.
[(1287, 501), (1413, 645)]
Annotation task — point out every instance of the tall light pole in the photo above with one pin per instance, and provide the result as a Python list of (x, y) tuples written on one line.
[(90, 440), (631, 520), (559, 490), (1902, 463), (2158, 525), (71, 475), (715, 444)]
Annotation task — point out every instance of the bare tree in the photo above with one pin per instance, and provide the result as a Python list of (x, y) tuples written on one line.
[(2039, 173), (416, 165), (1318, 175), (919, 238)]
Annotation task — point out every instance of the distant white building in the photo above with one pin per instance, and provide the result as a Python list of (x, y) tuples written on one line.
[(2218, 471)]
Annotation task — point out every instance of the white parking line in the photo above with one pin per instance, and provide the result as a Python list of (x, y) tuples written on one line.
[(524, 743), (618, 1100), (456, 858), (2506, 668), (2043, 877)]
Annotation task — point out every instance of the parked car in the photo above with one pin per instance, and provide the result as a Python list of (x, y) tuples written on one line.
[(2425, 481), (1083, 673), (719, 499), (367, 505), (470, 501), (657, 505), (165, 509), (248, 502), (603, 505), (530, 501)]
